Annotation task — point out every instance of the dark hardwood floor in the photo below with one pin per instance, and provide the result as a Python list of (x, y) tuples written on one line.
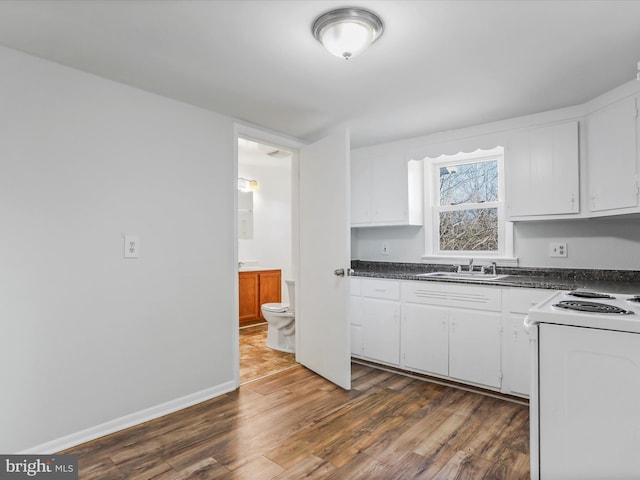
[(294, 424)]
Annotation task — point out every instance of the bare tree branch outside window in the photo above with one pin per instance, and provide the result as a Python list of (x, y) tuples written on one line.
[(474, 228)]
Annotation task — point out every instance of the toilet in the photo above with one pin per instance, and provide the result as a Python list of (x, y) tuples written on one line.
[(281, 333)]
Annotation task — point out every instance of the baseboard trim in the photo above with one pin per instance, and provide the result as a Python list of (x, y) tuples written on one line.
[(127, 421), (442, 381)]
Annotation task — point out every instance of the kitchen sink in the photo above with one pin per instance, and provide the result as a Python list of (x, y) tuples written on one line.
[(478, 276)]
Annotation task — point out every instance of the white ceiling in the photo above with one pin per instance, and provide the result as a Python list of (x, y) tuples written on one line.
[(440, 65)]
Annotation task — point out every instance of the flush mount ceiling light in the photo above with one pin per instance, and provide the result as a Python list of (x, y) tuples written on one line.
[(347, 32)]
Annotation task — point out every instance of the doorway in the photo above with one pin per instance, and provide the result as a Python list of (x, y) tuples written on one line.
[(265, 250), (320, 250)]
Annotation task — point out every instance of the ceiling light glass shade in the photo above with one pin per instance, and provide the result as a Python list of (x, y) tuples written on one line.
[(347, 32)]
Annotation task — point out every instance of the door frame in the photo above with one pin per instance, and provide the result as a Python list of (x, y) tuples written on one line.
[(257, 134)]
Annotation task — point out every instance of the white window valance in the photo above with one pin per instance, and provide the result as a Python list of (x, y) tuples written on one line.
[(452, 147)]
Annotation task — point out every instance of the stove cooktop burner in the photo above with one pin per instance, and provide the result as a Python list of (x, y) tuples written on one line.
[(591, 307), (585, 294)]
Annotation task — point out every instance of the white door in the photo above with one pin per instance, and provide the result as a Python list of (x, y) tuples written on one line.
[(322, 315)]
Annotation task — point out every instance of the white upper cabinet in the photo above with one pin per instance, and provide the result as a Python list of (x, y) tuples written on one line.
[(360, 191), (542, 172), (386, 190), (612, 158)]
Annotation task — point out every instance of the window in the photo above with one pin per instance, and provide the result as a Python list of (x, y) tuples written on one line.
[(465, 208)]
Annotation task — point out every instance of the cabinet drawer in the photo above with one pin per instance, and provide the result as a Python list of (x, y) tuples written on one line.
[(522, 299), (452, 295), (386, 289)]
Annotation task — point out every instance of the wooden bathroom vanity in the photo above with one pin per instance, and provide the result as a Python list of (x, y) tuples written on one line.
[(257, 287)]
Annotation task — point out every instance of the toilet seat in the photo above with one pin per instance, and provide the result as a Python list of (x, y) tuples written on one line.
[(275, 307)]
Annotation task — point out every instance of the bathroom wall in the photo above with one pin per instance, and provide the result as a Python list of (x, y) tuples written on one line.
[(271, 243)]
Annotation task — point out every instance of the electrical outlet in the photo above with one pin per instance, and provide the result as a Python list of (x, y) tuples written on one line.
[(558, 249), (385, 248), (131, 246)]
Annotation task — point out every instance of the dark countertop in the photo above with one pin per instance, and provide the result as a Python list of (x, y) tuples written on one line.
[(610, 281)]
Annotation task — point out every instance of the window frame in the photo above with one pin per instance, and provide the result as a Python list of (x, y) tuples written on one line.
[(504, 254)]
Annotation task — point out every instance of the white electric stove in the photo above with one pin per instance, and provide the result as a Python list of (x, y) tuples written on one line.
[(585, 395)]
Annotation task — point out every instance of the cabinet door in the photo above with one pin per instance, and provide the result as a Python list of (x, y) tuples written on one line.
[(270, 288), (355, 317), (518, 367), (390, 187), (360, 191), (381, 330), (425, 339), (356, 340), (248, 296), (612, 157), (516, 351), (474, 347), (542, 168)]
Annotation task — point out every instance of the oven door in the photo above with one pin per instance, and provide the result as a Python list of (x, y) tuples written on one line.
[(588, 403)]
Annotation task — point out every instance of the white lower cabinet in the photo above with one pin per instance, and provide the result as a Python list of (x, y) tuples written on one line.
[(375, 320), (425, 338), (468, 333), (356, 325), (355, 316), (474, 347), (452, 330), (516, 354), (381, 330)]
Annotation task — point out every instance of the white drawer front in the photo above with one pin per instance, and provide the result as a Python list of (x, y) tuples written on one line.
[(453, 295), (378, 288)]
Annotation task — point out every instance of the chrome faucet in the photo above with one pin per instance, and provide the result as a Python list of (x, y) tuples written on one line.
[(471, 264), (492, 265)]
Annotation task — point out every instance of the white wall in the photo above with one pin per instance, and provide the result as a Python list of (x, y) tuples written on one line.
[(606, 243), (87, 336), (609, 243), (271, 244)]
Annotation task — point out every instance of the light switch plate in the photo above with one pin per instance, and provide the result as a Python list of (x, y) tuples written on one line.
[(131, 246)]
